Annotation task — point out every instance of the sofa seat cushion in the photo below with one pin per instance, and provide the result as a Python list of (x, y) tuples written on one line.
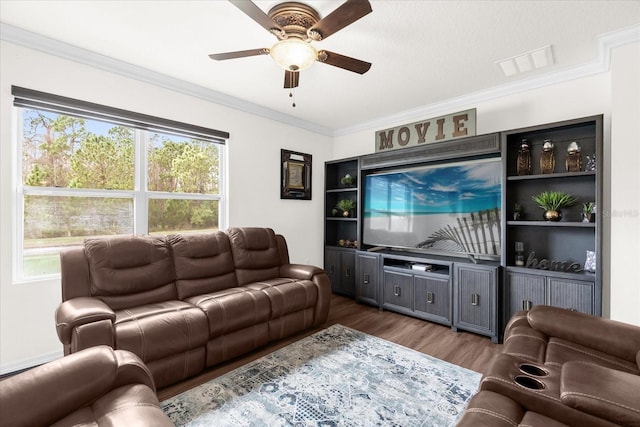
[(233, 309), (287, 295), (130, 405), (560, 351), (162, 329)]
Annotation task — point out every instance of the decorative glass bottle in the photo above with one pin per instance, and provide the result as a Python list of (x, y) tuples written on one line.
[(573, 162), (547, 158), (524, 158)]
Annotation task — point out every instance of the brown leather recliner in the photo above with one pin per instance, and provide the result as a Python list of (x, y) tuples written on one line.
[(97, 386), (572, 367), (187, 301)]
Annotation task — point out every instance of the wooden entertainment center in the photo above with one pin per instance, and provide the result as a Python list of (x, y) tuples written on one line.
[(473, 293)]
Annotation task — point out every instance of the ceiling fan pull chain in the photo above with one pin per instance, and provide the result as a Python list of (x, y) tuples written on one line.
[(292, 95)]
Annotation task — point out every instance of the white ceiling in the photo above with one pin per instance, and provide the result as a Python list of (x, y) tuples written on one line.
[(423, 52)]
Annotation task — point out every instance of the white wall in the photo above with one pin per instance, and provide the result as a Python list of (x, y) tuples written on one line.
[(616, 94), (27, 331), (625, 184)]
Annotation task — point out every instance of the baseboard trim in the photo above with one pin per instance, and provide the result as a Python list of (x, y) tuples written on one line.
[(21, 365)]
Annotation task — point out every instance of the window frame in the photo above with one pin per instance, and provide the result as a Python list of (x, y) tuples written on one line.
[(139, 195)]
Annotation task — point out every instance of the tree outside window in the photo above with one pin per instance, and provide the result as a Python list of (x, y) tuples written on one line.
[(81, 179)]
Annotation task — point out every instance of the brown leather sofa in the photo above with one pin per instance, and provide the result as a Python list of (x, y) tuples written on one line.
[(97, 386), (561, 367), (187, 301)]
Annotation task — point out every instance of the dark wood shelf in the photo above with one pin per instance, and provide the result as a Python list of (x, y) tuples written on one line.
[(581, 275), (342, 190), (562, 175), (575, 224), (330, 218)]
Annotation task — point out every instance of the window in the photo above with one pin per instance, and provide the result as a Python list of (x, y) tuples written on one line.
[(84, 175)]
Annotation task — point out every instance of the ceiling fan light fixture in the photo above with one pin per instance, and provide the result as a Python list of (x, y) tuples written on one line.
[(293, 54)]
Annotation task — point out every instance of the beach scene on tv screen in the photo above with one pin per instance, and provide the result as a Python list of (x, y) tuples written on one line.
[(453, 208)]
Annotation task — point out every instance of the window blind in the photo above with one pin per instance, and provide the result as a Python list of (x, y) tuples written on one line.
[(28, 98)]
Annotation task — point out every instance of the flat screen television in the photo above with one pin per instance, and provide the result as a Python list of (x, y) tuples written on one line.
[(448, 209)]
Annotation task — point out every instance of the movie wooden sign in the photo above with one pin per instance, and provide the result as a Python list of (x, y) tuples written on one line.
[(444, 128)]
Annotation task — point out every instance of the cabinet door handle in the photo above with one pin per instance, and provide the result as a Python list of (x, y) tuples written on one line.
[(429, 297), (331, 269), (526, 304), (396, 290), (347, 273), (475, 299), (365, 279)]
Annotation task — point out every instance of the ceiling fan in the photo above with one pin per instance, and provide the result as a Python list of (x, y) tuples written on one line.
[(296, 25)]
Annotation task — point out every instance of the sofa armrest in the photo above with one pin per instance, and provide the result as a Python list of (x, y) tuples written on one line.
[(299, 271), (602, 392), (80, 311), (608, 336), (47, 393)]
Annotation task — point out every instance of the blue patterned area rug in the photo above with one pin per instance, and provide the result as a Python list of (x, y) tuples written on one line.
[(335, 377)]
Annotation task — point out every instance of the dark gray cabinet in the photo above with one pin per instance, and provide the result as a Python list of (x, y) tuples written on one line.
[(409, 288), (524, 290), (397, 290), (340, 265), (572, 294), (432, 297), (367, 283), (475, 299)]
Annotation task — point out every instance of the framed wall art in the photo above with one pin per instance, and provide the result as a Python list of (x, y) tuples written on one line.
[(295, 175)]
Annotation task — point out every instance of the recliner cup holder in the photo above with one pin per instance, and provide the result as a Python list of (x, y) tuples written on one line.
[(528, 382), (536, 371)]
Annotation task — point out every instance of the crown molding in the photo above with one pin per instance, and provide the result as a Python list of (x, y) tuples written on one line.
[(606, 42), (64, 50)]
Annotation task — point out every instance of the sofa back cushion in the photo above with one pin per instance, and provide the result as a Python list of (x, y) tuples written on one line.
[(203, 263), (128, 271), (256, 255)]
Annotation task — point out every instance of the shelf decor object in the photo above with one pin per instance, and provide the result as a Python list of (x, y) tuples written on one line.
[(517, 211), (552, 202), (590, 263), (346, 206), (519, 258), (547, 158), (524, 159), (347, 180), (573, 162), (588, 209)]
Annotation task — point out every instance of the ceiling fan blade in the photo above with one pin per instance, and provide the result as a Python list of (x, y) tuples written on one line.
[(238, 54), (348, 13), (345, 62), (254, 12), (291, 79)]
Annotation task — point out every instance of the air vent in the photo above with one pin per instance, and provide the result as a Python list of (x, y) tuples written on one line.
[(528, 61)]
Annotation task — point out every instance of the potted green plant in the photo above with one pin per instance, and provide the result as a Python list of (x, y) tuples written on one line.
[(552, 202), (587, 211), (346, 205)]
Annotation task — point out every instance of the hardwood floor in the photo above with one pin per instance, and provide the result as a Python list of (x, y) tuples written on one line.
[(461, 348)]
